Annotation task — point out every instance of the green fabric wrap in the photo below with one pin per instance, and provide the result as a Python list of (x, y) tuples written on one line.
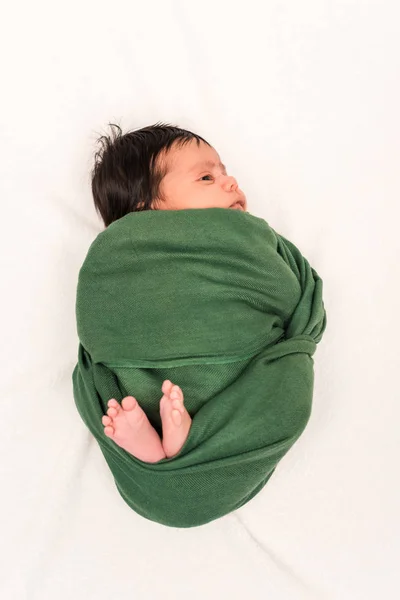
[(219, 303)]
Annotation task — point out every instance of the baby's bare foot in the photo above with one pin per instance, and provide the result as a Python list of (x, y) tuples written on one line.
[(129, 427), (176, 421)]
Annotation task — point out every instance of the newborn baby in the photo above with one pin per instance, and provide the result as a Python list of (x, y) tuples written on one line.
[(177, 289), (159, 167)]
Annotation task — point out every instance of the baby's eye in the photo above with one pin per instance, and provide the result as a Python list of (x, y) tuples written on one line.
[(205, 176)]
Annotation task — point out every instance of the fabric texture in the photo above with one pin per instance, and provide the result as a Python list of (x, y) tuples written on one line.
[(222, 305)]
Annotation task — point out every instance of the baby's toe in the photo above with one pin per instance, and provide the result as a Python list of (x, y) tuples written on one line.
[(166, 386), (109, 431), (176, 396), (106, 420), (113, 403), (129, 403), (176, 393), (112, 412)]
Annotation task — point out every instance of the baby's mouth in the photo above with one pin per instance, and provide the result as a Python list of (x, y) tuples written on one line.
[(237, 205)]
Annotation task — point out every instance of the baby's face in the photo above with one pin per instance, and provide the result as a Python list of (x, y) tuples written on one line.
[(197, 179)]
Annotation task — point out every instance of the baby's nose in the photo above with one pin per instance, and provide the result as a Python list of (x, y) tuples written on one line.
[(230, 184)]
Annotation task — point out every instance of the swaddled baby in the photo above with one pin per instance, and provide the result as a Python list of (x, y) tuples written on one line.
[(177, 286), (159, 167)]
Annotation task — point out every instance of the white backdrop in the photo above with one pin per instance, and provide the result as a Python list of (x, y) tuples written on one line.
[(301, 100)]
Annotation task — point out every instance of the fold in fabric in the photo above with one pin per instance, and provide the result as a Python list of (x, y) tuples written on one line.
[(223, 306)]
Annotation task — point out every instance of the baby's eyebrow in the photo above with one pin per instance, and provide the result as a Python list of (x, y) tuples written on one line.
[(208, 163)]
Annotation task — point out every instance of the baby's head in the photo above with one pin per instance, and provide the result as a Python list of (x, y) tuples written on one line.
[(160, 167)]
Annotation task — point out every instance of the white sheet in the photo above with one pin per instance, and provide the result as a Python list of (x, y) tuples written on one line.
[(301, 101)]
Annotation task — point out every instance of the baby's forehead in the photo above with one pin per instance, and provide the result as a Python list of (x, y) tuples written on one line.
[(192, 157)]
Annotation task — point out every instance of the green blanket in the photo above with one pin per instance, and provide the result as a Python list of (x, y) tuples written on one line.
[(223, 306)]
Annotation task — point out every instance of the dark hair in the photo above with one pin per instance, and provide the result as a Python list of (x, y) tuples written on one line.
[(126, 176)]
